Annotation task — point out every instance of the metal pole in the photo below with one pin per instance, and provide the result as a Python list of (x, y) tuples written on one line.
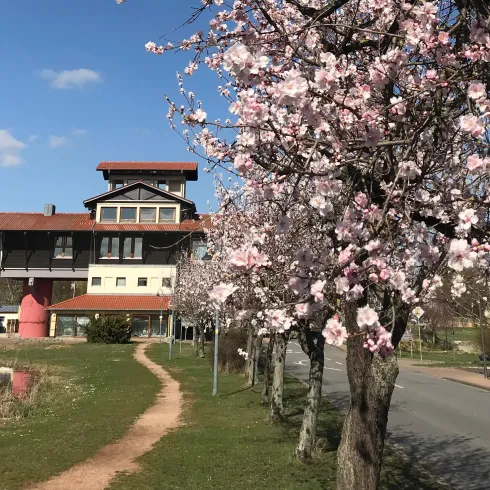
[(180, 343), (481, 333), (216, 344), (161, 318), (420, 340), (411, 343), (171, 336)]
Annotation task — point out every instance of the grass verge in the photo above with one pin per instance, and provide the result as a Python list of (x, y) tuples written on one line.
[(227, 441), (105, 391)]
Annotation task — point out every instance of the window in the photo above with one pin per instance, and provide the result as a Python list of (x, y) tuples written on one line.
[(151, 182), (108, 214), (120, 282), (166, 282), (167, 215), (142, 282), (162, 184), (199, 250), (109, 247), (128, 214), (148, 215), (117, 183), (96, 281), (133, 248), (174, 186), (63, 247)]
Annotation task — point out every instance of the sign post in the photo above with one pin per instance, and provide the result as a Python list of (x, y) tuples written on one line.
[(418, 313)]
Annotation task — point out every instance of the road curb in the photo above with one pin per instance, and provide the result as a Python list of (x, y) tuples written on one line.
[(467, 383)]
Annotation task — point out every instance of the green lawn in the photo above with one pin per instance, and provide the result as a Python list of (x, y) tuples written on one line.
[(105, 391), (442, 358), (227, 441), (466, 334)]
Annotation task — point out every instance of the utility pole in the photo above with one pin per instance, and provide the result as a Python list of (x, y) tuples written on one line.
[(216, 345)]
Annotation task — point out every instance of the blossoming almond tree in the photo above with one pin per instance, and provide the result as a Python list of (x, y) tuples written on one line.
[(373, 116)]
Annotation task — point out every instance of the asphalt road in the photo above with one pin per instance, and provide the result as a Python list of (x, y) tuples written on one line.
[(442, 425)]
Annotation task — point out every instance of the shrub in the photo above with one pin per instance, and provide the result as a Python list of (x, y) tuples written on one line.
[(108, 330), (228, 358)]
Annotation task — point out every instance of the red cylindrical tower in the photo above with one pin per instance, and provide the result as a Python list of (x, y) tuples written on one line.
[(33, 320)]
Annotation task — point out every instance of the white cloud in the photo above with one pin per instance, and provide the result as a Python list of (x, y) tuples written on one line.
[(57, 141), (32, 137), (10, 149), (79, 132), (70, 79)]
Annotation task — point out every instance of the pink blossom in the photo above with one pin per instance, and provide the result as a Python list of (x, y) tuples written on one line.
[(460, 255), (379, 341), (475, 163), (467, 218), (384, 274), (367, 318), (477, 90), (334, 332), (316, 290), (471, 124), (222, 291), (303, 310), (341, 285), (298, 285), (355, 293)]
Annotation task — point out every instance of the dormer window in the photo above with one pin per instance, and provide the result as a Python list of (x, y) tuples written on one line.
[(162, 184), (63, 248), (108, 214), (128, 215), (117, 183), (167, 215), (148, 215)]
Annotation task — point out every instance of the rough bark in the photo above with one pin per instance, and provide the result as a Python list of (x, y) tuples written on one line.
[(195, 341), (267, 371), (277, 408), (312, 344), (257, 353), (250, 362), (371, 382), (201, 342)]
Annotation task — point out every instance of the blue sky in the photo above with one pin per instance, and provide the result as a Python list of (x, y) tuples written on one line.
[(78, 87)]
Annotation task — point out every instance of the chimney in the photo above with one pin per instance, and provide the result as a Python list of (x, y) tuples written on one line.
[(49, 209)]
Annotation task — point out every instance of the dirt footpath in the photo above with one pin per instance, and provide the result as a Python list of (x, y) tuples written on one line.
[(97, 472)]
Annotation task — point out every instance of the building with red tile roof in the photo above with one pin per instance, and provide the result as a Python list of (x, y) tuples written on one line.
[(125, 246)]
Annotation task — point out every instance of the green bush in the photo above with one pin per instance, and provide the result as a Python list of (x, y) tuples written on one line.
[(229, 360), (108, 330)]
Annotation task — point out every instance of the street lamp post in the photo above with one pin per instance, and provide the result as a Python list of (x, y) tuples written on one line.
[(160, 295), (480, 315), (216, 345), (172, 327)]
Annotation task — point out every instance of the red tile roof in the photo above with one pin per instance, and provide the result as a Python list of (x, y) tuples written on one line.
[(37, 221), (82, 222), (189, 166), (106, 302)]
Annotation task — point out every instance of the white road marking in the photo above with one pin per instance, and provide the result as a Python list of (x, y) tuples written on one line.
[(398, 386), (333, 369), (289, 351), (328, 358), (301, 352), (337, 362), (300, 362)]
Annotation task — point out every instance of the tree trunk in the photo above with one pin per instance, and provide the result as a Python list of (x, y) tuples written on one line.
[(195, 341), (267, 371), (371, 381), (250, 363), (277, 408), (257, 352), (201, 342), (307, 435)]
